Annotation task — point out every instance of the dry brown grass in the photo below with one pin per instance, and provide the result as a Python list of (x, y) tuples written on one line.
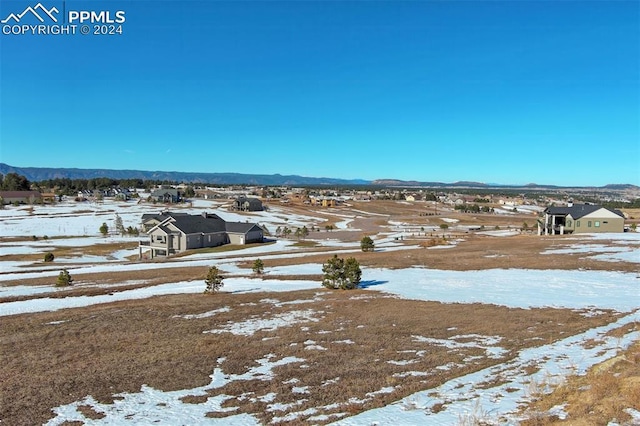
[(106, 349), (476, 252), (105, 249), (599, 397)]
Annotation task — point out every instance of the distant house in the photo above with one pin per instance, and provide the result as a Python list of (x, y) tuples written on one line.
[(580, 218), (325, 201), (247, 204), (167, 196), (20, 197), (175, 233), (122, 194), (84, 194)]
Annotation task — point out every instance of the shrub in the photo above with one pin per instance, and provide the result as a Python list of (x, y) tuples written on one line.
[(213, 280), (48, 257), (104, 229), (64, 279), (132, 231)]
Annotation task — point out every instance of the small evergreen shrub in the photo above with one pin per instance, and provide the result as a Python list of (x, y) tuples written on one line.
[(213, 280), (258, 266), (64, 279)]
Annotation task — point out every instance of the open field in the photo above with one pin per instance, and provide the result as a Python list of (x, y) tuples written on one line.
[(451, 326)]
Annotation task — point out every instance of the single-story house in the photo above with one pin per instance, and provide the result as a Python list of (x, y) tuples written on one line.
[(580, 218), (176, 233), (247, 204), (167, 196), (20, 197)]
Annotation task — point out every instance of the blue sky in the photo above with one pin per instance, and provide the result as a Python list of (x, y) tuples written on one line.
[(491, 91)]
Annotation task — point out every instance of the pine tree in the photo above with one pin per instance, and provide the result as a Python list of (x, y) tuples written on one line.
[(258, 266), (119, 225), (352, 274), (341, 274), (333, 272), (302, 233), (366, 244), (104, 229), (213, 280)]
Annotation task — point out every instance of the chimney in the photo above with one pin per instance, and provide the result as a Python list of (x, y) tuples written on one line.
[(570, 203)]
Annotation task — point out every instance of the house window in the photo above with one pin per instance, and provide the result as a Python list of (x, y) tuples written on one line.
[(597, 224), (589, 224), (568, 224), (577, 224)]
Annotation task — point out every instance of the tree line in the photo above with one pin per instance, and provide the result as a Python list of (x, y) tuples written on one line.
[(14, 182)]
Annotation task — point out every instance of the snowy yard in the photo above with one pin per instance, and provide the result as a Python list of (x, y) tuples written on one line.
[(465, 397)]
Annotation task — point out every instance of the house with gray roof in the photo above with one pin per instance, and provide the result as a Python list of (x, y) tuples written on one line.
[(580, 218), (171, 233), (167, 196), (247, 204)]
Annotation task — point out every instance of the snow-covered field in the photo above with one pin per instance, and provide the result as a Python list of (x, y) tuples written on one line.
[(466, 397)]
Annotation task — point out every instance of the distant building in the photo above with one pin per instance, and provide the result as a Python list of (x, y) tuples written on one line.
[(325, 201), (167, 196), (20, 197), (247, 204), (580, 218)]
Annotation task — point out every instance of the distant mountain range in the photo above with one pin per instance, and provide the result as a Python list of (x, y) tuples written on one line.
[(37, 174), (479, 185)]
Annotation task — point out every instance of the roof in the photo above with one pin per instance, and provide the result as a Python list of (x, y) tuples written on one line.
[(239, 227), (578, 210), (170, 191), (162, 216), (196, 224)]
